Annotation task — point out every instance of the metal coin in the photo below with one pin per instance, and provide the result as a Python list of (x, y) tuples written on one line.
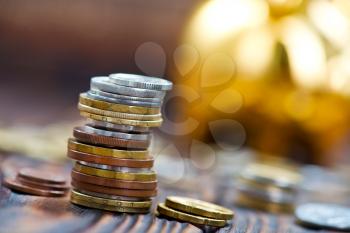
[(42, 185), (41, 176), (114, 197), (198, 207), (117, 168), (104, 84), (108, 182), (140, 81), (324, 215), (115, 127), (194, 219)]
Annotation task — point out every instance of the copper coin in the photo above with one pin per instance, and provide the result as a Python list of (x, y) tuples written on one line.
[(113, 191), (17, 186), (88, 137), (107, 160), (44, 186), (41, 176), (113, 183)]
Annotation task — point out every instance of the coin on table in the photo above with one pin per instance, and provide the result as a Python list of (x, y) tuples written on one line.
[(39, 175), (113, 183), (141, 81), (108, 152), (194, 219), (87, 100), (17, 186), (42, 185), (91, 158), (148, 176), (198, 207), (324, 215), (104, 84), (113, 191), (118, 128)]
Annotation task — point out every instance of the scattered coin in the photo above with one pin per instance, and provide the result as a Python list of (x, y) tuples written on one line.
[(41, 176), (44, 186)]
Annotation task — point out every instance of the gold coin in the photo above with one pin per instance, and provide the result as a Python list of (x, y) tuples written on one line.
[(84, 99), (198, 207), (122, 115), (102, 151), (194, 219), (121, 121), (110, 202), (151, 176)]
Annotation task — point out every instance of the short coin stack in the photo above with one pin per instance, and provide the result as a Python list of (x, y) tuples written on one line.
[(113, 169), (194, 211), (268, 187), (39, 183)]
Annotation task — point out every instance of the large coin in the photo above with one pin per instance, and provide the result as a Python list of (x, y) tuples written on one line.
[(198, 207), (104, 84), (324, 215), (140, 81), (194, 219), (118, 128), (117, 168)]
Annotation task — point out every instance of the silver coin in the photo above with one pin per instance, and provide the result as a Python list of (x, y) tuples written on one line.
[(116, 127), (121, 135), (113, 197), (102, 83), (97, 95), (324, 215), (116, 168), (141, 81)]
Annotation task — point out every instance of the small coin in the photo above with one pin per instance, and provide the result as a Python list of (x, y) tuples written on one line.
[(113, 98), (85, 99), (44, 186), (104, 84), (121, 121), (108, 152), (17, 186), (118, 128), (198, 207), (149, 176), (83, 134), (141, 81), (117, 168), (41, 176), (113, 191), (91, 158), (108, 182), (194, 219), (323, 215)]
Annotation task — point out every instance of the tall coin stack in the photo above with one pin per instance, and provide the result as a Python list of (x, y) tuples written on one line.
[(113, 168), (268, 187)]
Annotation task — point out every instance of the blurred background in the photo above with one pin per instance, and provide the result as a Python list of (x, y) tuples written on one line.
[(269, 76)]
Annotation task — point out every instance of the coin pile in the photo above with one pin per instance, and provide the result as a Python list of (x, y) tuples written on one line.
[(113, 169), (194, 211), (268, 187), (38, 183)]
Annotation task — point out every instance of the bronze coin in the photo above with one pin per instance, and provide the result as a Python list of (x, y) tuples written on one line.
[(107, 160), (41, 176), (113, 183), (88, 137), (44, 186), (17, 186), (113, 191)]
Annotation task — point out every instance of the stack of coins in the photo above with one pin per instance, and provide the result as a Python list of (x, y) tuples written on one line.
[(38, 183), (201, 213), (268, 187), (113, 169)]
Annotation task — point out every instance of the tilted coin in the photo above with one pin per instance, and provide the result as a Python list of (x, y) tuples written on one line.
[(140, 81), (110, 106), (324, 215), (198, 207), (108, 152), (42, 185), (116, 168), (104, 84), (113, 191), (149, 176), (121, 121), (115, 127), (121, 115), (109, 182), (107, 160), (194, 219), (41, 176), (113, 98)]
